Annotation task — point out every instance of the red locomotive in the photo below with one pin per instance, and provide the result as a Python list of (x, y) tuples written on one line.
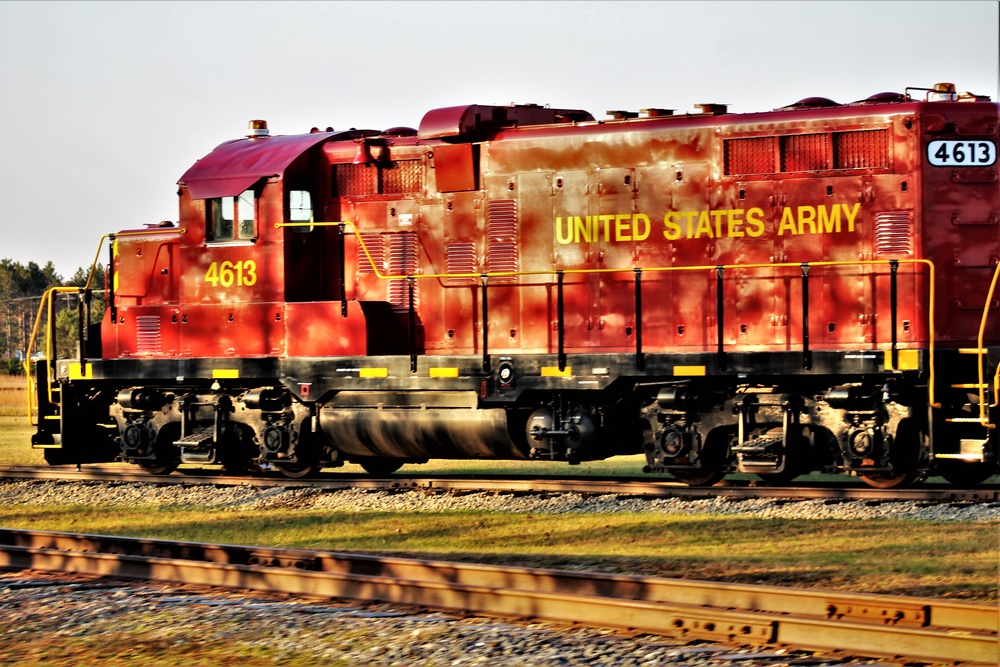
[(805, 289)]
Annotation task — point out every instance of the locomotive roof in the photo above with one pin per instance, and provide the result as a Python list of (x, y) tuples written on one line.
[(236, 165)]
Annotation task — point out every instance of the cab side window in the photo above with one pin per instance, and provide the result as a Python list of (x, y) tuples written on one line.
[(300, 209), (232, 218)]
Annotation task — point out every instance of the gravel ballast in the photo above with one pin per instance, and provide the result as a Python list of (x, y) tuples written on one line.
[(243, 498)]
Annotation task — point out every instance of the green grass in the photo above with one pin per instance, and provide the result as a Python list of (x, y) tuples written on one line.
[(884, 556)]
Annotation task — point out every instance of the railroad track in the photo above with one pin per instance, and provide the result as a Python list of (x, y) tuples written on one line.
[(649, 488), (899, 628)]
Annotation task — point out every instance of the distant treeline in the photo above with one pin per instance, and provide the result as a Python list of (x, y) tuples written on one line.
[(21, 290)]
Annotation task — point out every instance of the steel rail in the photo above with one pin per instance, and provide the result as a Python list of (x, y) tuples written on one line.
[(518, 484), (866, 625)]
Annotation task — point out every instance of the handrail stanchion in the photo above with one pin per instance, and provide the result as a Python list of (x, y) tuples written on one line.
[(560, 324), (640, 357), (893, 303), (484, 278), (719, 317), (806, 354)]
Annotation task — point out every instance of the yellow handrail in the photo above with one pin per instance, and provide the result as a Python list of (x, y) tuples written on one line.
[(980, 351), (703, 267)]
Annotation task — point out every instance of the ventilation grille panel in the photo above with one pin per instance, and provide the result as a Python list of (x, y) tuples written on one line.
[(805, 152), (403, 177), (147, 334), (501, 229), (461, 258), (749, 156), (893, 235), (403, 261), (862, 149), (375, 246)]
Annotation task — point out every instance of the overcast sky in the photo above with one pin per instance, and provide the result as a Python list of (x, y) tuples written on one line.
[(104, 105)]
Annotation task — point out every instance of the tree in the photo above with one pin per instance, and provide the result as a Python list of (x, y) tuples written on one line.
[(21, 290)]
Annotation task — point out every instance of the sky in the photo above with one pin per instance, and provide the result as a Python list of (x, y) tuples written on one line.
[(104, 105)]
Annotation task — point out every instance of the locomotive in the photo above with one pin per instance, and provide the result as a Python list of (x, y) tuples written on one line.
[(805, 289)]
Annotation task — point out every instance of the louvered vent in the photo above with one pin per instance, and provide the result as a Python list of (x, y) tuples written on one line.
[(376, 248), (147, 334), (861, 149), (502, 232), (805, 152), (892, 233), (403, 261), (461, 258), (749, 156)]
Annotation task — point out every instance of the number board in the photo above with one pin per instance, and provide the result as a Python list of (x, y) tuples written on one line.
[(962, 153)]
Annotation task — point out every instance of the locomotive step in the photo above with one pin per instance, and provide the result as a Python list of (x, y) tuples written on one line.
[(199, 438)]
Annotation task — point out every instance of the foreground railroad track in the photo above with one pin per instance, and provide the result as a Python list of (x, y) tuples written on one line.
[(649, 488), (899, 628)]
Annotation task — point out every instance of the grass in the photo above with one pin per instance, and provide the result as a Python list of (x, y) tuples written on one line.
[(956, 560), (884, 556)]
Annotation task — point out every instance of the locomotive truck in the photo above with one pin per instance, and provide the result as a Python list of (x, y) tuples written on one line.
[(810, 288)]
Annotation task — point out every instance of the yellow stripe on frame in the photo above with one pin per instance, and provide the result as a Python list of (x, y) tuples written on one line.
[(909, 360), (78, 373), (373, 373), (689, 371), (444, 372), (554, 372), (225, 373)]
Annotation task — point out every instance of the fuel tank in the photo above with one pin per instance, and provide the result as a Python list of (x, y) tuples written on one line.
[(433, 424)]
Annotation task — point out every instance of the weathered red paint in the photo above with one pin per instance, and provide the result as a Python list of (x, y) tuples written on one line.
[(493, 189)]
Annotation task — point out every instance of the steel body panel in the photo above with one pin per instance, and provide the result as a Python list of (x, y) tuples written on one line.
[(234, 166)]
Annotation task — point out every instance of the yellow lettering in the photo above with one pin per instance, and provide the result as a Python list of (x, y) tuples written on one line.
[(560, 237), (717, 216), (829, 222), (733, 222), (787, 222), (807, 216), (622, 227), (851, 214), (689, 217), (606, 221), (636, 234), (755, 222), (581, 229), (671, 226), (704, 225)]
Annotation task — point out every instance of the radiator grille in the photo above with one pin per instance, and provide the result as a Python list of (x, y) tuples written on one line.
[(352, 180), (749, 156), (403, 177), (147, 334), (893, 235), (501, 229), (861, 149), (805, 152), (403, 261), (389, 178)]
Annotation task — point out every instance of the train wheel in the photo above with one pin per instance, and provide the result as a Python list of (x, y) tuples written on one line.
[(297, 470), (966, 475), (380, 467), (885, 480), (698, 477), (159, 467)]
